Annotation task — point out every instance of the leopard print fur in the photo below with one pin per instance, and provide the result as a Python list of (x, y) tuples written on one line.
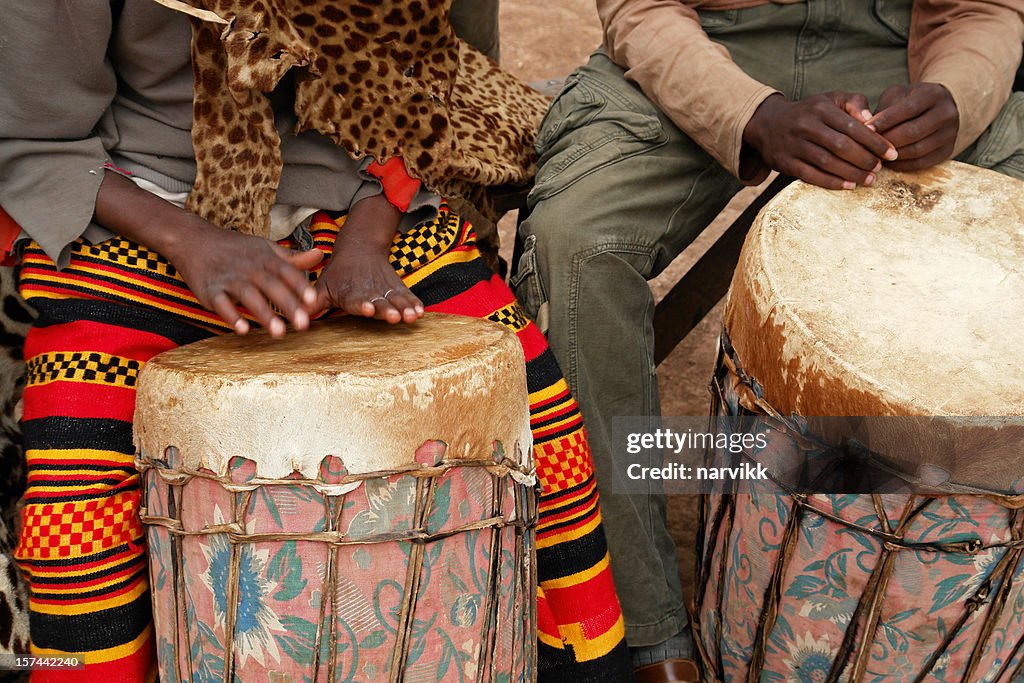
[(15, 318), (382, 78)]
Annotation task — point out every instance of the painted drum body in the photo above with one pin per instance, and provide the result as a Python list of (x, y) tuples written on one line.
[(899, 300), (353, 503)]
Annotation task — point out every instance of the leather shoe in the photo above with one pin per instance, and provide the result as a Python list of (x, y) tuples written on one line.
[(669, 671)]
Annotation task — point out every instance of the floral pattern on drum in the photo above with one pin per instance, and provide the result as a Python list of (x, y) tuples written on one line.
[(839, 585), (428, 570)]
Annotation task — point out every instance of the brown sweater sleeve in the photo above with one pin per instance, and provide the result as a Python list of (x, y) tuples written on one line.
[(665, 51), (973, 48)]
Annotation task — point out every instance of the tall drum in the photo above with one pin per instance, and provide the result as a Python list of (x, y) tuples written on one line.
[(352, 503), (904, 299)]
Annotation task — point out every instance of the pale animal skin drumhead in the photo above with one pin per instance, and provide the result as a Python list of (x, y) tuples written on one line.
[(906, 298), (365, 391)]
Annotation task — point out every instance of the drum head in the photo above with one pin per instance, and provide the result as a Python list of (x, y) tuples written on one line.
[(906, 298), (362, 390)]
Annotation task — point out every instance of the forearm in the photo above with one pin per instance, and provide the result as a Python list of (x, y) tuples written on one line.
[(973, 50), (693, 80), (128, 210)]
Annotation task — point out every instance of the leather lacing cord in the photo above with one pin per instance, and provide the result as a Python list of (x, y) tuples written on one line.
[(716, 529), (521, 517)]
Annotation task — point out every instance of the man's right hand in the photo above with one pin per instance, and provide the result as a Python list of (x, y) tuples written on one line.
[(821, 140), (224, 269)]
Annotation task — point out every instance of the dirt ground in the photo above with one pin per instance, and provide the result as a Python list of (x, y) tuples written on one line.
[(543, 40)]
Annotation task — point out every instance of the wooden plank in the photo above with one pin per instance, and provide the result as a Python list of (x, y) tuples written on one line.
[(707, 281)]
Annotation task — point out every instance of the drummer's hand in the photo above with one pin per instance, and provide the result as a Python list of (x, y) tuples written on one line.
[(224, 269), (821, 140), (359, 278), (921, 121), (227, 269)]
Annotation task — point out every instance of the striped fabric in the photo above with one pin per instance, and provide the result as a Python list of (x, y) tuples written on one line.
[(115, 306)]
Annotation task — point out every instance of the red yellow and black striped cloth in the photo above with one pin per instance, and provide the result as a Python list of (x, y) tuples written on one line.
[(118, 304)]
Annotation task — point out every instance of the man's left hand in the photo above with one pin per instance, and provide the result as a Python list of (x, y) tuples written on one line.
[(921, 121)]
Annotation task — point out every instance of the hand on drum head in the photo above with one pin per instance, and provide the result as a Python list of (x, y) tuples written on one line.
[(360, 280), (231, 270), (921, 121), (821, 140), (224, 269)]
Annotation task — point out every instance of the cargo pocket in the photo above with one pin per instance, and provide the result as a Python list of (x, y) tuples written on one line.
[(528, 286), (588, 127)]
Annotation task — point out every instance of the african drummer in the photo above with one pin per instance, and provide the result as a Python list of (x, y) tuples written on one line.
[(122, 169), (686, 102)]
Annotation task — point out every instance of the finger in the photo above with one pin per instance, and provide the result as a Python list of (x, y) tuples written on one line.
[(839, 154), (292, 267), (814, 176), (926, 161), (324, 300), (303, 260), (285, 298), (933, 144), (890, 96), (258, 307), (856, 105), (832, 165), (915, 130), (867, 148), (222, 305), (905, 109), (358, 303)]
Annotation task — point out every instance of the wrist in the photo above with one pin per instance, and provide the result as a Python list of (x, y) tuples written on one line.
[(371, 225), (128, 210), (759, 125)]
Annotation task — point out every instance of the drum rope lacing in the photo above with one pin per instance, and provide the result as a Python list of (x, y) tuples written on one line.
[(993, 591), (522, 517)]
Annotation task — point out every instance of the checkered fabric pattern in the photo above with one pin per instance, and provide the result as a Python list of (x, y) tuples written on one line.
[(416, 248), (101, 368), (126, 253), (510, 316), (78, 529), (79, 533), (564, 463)]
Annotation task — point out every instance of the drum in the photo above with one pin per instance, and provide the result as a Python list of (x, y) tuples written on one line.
[(352, 503), (903, 301)]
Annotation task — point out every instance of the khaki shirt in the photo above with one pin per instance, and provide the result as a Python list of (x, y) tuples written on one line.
[(971, 47)]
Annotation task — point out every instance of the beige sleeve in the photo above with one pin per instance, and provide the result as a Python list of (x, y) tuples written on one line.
[(694, 81), (973, 49)]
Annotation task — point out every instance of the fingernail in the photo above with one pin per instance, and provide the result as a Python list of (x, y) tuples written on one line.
[(877, 168), (241, 326), (890, 154), (865, 114), (309, 295), (870, 180), (276, 327), (301, 319), (871, 127), (847, 185)]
